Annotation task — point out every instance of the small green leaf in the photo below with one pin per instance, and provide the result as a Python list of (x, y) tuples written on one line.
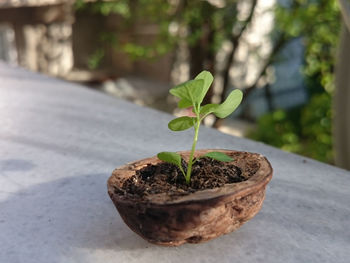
[(171, 157), (189, 90), (230, 104), (209, 108), (181, 123), (219, 156), (208, 78), (226, 108)]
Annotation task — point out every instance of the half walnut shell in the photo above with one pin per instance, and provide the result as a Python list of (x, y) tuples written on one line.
[(196, 217)]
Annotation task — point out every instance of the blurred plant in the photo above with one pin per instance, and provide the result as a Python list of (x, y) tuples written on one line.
[(131, 13), (203, 25), (318, 23), (95, 58), (307, 130), (304, 130)]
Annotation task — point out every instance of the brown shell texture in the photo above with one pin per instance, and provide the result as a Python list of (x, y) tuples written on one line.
[(199, 216)]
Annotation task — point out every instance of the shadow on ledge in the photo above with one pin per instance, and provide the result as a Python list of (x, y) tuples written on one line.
[(59, 218)]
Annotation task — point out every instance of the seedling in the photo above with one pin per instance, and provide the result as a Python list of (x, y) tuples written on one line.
[(191, 94)]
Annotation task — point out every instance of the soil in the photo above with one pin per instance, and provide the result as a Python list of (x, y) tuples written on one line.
[(167, 178)]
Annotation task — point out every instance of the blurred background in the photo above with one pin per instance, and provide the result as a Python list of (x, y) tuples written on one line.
[(280, 53)]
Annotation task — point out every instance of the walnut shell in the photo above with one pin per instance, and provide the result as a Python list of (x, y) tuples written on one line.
[(196, 217)]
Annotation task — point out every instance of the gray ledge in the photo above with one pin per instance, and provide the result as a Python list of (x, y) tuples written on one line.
[(60, 142)]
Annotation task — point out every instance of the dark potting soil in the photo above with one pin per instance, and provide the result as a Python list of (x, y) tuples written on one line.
[(167, 178)]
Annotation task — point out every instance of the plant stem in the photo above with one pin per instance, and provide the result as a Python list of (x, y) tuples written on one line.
[(195, 138)]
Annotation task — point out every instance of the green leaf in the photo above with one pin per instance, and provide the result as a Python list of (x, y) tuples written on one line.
[(208, 78), (193, 91), (219, 156), (230, 104), (207, 109), (171, 157), (181, 123), (226, 108), (189, 91), (182, 104)]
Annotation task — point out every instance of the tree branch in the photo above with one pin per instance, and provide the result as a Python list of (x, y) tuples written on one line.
[(282, 40), (235, 40)]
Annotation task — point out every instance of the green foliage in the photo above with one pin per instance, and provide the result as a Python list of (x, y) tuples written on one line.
[(306, 130), (197, 17), (131, 13), (120, 7), (95, 58), (316, 121), (279, 129), (192, 93), (318, 23)]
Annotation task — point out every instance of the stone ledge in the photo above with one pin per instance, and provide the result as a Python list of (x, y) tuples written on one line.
[(59, 144)]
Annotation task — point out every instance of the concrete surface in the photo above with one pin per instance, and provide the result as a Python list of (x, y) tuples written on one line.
[(59, 143)]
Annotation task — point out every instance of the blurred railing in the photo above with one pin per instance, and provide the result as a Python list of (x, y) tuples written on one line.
[(342, 93), (345, 9)]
